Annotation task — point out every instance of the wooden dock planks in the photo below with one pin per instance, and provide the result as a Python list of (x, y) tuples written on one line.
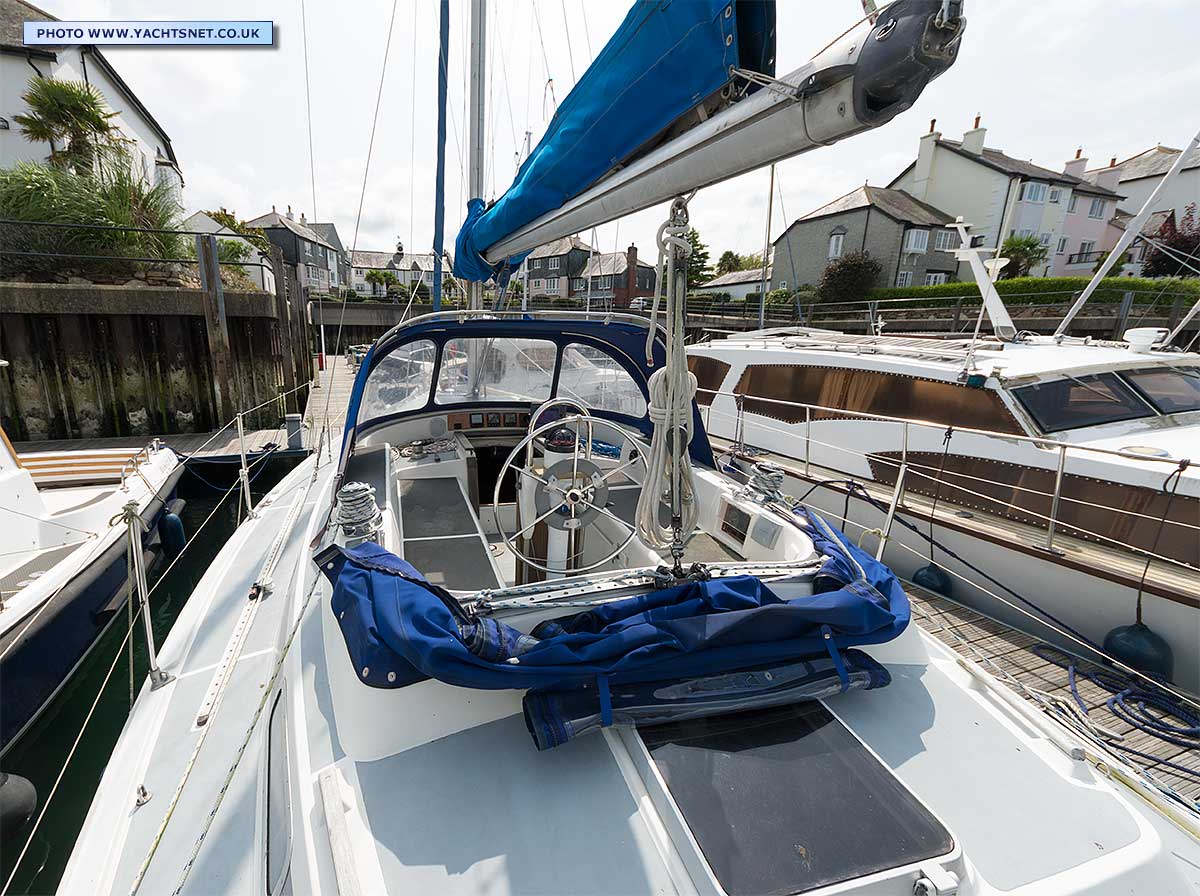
[(1006, 652)]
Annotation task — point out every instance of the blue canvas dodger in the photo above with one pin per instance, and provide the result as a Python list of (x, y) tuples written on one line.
[(399, 628)]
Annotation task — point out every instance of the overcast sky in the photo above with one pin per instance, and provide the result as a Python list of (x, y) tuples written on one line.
[(1112, 76)]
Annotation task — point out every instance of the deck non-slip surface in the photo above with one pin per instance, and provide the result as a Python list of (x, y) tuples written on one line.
[(1009, 655)]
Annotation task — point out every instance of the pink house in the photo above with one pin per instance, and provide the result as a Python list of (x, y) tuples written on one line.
[(1086, 234)]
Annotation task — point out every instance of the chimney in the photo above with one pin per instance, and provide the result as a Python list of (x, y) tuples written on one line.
[(302, 221), (924, 166), (289, 214), (631, 269), (273, 210), (972, 140), (1077, 165), (1110, 177)]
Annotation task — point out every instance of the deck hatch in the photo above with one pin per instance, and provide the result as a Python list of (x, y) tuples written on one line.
[(787, 800)]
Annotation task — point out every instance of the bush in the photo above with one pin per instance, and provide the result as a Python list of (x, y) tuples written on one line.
[(779, 297), (849, 278), (110, 200)]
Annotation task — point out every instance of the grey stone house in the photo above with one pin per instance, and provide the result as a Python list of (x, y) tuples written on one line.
[(553, 266), (314, 260), (912, 240), (328, 232)]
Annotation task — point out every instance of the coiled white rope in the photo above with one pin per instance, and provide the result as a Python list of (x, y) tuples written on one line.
[(672, 388)]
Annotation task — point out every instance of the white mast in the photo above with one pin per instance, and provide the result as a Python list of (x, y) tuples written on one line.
[(476, 136), (1132, 231)]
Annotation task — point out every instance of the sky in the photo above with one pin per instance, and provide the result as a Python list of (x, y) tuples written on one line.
[(1114, 77)]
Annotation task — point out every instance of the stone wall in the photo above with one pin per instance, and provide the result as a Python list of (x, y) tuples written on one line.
[(96, 361)]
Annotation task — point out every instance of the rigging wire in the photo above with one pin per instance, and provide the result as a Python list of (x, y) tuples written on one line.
[(586, 32), (337, 342), (412, 136), (312, 165), (570, 51)]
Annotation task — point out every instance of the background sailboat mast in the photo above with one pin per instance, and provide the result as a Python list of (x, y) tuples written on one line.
[(439, 202), (476, 135)]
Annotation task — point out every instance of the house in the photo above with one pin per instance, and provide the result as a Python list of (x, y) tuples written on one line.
[(616, 278), (258, 263), (1001, 196), (153, 157), (1138, 176), (408, 270), (552, 267), (328, 232), (1088, 231), (313, 260), (910, 238), (737, 284)]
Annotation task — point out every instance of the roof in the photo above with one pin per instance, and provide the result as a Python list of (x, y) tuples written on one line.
[(610, 263), (13, 15), (560, 247), (361, 258), (893, 203), (737, 278), (328, 232), (1153, 162), (1006, 164), (1153, 225), (276, 220)]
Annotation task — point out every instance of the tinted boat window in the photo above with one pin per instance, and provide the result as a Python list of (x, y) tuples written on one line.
[(1078, 401), (1171, 390), (870, 392), (787, 800), (279, 810), (710, 374)]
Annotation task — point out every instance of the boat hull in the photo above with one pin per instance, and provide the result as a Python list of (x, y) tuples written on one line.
[(39, 658)]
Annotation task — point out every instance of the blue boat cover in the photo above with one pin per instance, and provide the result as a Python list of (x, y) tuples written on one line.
[(400, 629), (667, 57)]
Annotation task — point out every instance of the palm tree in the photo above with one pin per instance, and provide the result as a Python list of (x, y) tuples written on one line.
[(729, 262), (1024, 253), (72, 118)]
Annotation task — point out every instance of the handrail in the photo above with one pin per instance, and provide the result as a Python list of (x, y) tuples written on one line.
[(1042, 442)]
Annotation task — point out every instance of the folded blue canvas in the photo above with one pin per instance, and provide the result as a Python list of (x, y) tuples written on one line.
[(555, 717), (399, 628)]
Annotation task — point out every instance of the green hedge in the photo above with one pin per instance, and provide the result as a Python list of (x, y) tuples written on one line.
[(1044, 290)]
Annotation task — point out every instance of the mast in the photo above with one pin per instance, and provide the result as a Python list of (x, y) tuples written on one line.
[(1132, 231), (476, 136), (439, 206)]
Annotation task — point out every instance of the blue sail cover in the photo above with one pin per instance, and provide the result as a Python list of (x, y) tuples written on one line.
[(667, 57), (400, 629)]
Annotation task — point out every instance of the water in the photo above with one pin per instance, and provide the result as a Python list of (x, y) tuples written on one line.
[(40, 754)]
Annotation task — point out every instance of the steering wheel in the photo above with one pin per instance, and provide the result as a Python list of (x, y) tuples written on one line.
[(574, 491)]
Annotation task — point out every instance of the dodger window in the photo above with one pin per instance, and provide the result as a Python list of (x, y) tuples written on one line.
[(400, 382), (1076, 402)]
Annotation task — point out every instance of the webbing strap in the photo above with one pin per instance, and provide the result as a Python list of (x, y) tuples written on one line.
[(605, 701), (838, 664)]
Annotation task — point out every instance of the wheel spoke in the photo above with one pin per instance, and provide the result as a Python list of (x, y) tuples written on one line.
[(620, 469), (608, 513), (525, 529)]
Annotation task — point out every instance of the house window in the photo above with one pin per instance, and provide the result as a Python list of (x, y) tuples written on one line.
[(1045, 238), (606, 281), (916, 240), (578, 283), (1086, 246), (537, 284), (904, 278), (1062, 246), (1071, 205), (936, 278), (1097, 209), (1032, 191), (1055, 195), (978, 240), (783, 284), (552, 283), (943, 240), (835, 245), (553, 263)]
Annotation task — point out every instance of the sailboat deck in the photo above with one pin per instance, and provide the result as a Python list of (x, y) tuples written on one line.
[(1009, 655)]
